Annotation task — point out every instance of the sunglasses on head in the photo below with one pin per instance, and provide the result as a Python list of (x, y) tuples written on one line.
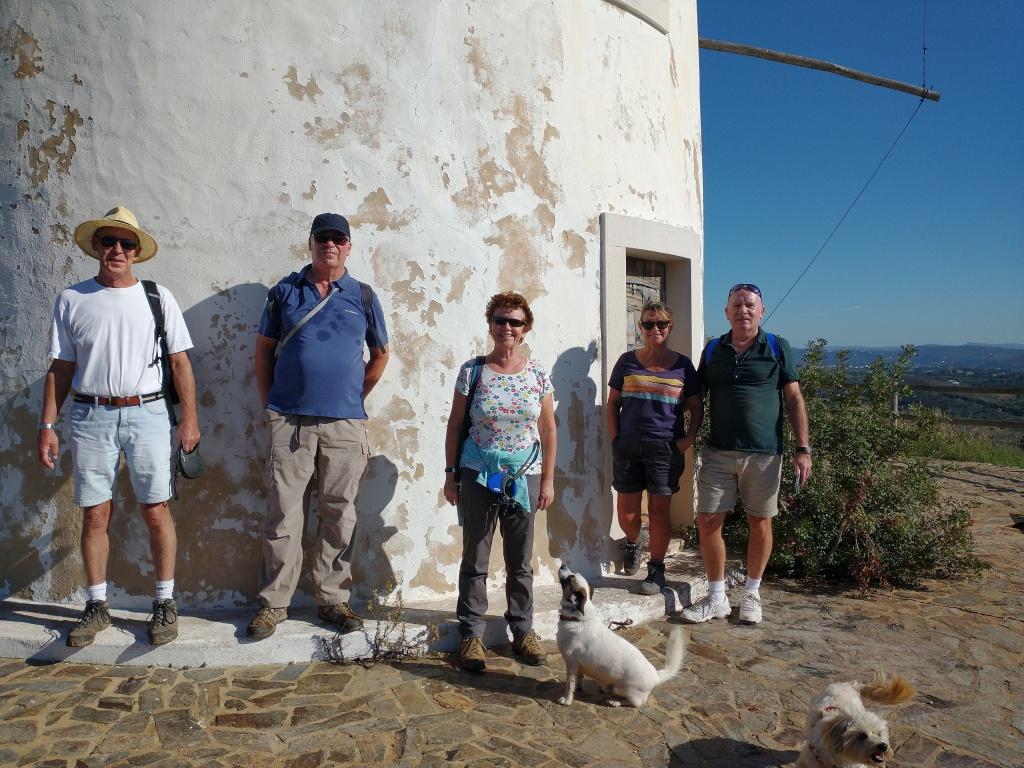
[(502, 320), (648, 325), (109, 241), (326, 237), (745, 287)]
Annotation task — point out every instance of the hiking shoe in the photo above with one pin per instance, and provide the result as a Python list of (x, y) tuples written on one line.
[(529, 650), (341, 616), (265, 622), (750, 608), (655, 581), (95, 618), (707, 609), (163, 625), (630, 557), (472, 655)]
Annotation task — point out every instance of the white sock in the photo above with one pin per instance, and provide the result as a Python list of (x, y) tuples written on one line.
[(165, 589), (97, 591), (753, 584), (717, 590)]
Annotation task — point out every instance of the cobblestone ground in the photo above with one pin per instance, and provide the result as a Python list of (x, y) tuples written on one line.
[(740, 700)]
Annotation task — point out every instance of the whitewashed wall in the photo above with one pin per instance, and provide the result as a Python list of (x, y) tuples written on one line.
[(472, 145)]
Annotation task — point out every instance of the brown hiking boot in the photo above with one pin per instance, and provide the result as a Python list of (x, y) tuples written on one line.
[(163, 625), (472, 655), (95, 618), (341, 616), (529, 650), (265, 622)]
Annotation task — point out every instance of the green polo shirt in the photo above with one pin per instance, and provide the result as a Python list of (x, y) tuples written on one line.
[(746, 393)]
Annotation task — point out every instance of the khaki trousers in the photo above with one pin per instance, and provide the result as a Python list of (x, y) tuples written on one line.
[(337, 449)]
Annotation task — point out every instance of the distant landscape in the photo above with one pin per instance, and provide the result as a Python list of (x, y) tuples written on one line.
[(967, 365)]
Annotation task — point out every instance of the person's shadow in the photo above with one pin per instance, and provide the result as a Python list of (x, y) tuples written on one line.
[(578, 522)]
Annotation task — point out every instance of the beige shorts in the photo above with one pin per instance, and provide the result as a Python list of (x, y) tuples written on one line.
[(726, 475)]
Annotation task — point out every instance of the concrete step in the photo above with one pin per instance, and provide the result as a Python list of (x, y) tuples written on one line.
[(38, 631)]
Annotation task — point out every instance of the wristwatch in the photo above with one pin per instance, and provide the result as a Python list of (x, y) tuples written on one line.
[(45, 425), (803, 449), (451, 469)]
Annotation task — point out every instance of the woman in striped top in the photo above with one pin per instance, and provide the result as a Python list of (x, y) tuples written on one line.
[(650, 391)]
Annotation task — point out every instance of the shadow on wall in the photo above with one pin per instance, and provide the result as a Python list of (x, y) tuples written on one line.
[(579, 521)]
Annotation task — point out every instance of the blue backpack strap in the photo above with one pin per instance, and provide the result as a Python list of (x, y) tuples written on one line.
[(366, 296), (709, 350), (773, 345)]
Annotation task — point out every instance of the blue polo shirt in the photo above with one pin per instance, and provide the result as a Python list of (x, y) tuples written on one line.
[(320, 371)]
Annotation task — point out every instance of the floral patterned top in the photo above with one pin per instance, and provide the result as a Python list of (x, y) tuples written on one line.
[(506, 407)]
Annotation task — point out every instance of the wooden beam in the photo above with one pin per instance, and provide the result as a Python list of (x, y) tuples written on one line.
[(824, 66)]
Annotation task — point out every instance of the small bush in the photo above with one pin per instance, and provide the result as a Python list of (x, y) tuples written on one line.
[(871, 513)]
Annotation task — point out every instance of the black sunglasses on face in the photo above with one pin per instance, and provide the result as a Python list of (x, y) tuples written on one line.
[(514, 322), (327, 237), (745, 287), (109, 241), (648, 325)]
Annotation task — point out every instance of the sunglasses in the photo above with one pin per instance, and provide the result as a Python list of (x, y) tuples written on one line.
[(109, 241), (327, 237), (648, 325), (745, 287), (514, 322)]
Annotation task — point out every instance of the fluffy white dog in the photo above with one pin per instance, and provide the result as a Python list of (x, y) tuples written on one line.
[(591, 649), (841, 733)]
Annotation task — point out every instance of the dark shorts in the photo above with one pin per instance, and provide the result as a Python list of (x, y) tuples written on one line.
[(654, 466)]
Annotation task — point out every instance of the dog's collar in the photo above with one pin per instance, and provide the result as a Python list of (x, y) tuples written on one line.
[(563, 617)]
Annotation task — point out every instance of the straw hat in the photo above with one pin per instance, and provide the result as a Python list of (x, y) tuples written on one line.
[(122, 218)]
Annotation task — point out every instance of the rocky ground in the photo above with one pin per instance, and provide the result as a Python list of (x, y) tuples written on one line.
[(739, 701)]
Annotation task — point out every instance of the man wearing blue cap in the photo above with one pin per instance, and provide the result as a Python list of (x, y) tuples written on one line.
[(313, 381), (747, 374)]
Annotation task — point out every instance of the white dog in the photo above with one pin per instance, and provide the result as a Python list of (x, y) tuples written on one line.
[(591, 649), (841, 733)]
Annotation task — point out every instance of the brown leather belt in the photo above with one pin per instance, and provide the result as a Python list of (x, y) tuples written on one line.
[(119, 402)]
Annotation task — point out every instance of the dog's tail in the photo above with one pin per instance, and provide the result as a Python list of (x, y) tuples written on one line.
[(674, 656), (896, 691)]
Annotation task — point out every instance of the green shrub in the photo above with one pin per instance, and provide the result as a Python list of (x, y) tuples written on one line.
[(871, 513)]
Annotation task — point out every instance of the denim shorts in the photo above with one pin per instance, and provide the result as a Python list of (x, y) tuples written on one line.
[(654, 466), (98, 435)]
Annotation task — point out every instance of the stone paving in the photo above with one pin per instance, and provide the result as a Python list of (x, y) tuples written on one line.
[(739, 701)]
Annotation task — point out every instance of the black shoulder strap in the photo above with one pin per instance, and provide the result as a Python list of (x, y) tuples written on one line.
[(153, 297), (366, 295)]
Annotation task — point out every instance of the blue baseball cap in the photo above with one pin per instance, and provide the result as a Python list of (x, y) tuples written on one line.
[(326, 222)]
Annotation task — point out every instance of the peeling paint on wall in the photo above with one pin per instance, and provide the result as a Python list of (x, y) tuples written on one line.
[(23, 49), (55, 151), (299, 92)]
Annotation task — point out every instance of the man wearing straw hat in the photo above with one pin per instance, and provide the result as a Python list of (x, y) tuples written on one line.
[(105, 348)]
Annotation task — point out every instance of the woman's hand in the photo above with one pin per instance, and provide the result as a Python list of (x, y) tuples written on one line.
[(547, 493), (451, 490), (685, 442)]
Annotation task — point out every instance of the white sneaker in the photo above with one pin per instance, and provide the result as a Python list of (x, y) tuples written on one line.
[(750, 608), (707, 609)]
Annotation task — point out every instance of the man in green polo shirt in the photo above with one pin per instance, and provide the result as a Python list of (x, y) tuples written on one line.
[(747, 375)]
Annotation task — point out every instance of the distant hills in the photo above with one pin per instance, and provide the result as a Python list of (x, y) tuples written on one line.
[(973, 356)]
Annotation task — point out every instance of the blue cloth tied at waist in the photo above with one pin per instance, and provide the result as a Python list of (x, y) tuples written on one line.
[(489, 461)]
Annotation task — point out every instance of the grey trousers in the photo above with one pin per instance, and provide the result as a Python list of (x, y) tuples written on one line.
[(478, 525), (338, 450)]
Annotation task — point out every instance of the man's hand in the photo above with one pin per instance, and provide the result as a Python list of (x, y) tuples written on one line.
[(188, 434), (686, 441), (48, 445), (802, 464)]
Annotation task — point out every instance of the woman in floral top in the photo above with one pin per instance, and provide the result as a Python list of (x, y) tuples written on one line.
[(512, 428)]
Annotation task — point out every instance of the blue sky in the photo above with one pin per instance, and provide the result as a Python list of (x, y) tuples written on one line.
[(933, 253)]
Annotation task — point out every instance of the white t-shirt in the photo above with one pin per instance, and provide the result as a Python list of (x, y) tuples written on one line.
[(111, 336)]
